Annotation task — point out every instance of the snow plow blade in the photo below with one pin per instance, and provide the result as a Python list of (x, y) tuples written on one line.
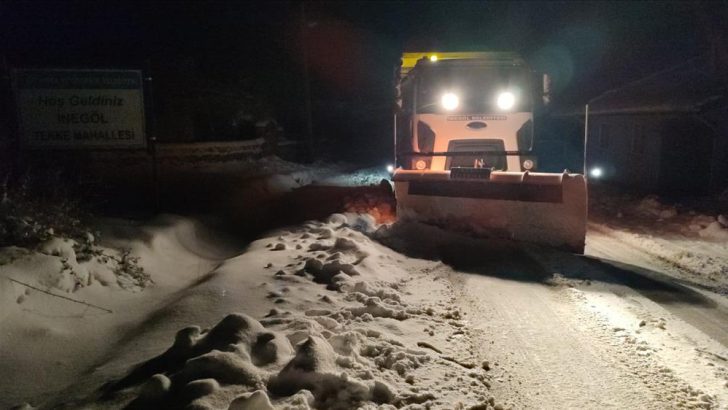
[(544, 208)]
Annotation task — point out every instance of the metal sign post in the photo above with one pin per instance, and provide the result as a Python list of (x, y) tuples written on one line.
[(151, 135), (310, 142)]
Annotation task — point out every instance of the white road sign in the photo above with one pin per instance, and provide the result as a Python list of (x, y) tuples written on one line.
[(80, 108)]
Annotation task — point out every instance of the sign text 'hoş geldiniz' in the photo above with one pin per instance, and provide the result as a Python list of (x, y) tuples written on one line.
[(80, 108)]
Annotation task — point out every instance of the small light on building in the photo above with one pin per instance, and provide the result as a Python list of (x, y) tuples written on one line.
[(433, 58), (390, 168), (596, 172)]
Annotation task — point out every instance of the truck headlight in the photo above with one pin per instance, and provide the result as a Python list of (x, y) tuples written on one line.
[(506, 100), (449, 101)]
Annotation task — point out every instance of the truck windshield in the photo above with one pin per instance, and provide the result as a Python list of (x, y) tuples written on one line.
[(477, 89)]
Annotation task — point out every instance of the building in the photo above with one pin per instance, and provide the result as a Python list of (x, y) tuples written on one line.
[(666, 133)]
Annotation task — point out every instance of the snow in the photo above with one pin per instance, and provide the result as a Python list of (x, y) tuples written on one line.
[(51, 340), (325, 325), (651, 206), (360, 177), (281, 336), (346, 312), (715, 231), (66, 265), (689, 245), (674, 359), (647, 334)]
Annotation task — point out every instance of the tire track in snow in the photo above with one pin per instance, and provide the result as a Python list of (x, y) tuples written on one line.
[(702, 312), (547, 355)]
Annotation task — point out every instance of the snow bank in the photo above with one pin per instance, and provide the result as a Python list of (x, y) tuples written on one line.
[(67, 265), (381, 210), (651, 206), (380, 205), (701, 261), (687, 244), (361, 177), (652, 214), (340, 333), (47, 341), (237, 364), (8, 299), (715, 231)]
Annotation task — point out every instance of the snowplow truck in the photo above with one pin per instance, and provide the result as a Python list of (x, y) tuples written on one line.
[(464, 127)]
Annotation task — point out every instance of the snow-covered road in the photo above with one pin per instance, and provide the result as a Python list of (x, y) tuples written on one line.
[(663, 282), (565, 331), (583, 347), (548, 355)]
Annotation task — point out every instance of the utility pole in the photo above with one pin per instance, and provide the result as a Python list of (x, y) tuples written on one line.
[(310, 144), (586, 139)]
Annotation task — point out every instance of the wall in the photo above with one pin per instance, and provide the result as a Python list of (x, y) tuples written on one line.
[(659, 153), (717, 119), (627, 148), (687, 153)]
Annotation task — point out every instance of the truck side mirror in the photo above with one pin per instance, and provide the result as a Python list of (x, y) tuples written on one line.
[(546, 89)]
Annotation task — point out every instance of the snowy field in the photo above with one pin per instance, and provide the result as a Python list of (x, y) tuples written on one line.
[(348, 310)]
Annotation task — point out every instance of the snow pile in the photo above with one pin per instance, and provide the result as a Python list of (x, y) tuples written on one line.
[(380, 205), (8, 298), (704, 262), (688, 241), (651, 206), (707, 227), (653, 215), (204, 369), (715, 229), (340, 333), (67, 265), (241, 364), (47, 341), (361, 177)]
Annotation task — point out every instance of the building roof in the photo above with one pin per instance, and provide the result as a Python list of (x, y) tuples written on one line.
[(688, 87)]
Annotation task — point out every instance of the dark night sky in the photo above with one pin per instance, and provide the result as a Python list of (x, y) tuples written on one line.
[(587, 46)]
